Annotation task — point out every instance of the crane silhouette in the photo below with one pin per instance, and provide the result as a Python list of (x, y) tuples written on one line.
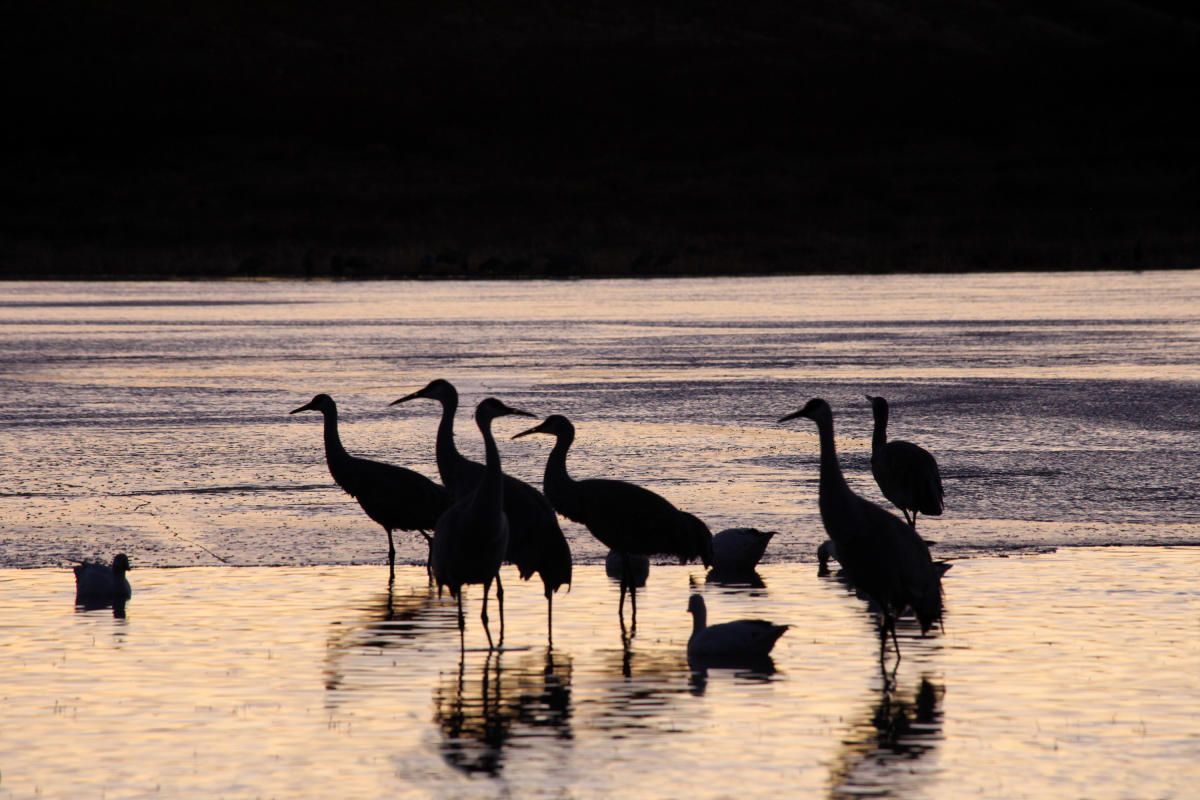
[(395, 497), (881, 555), (907, 474), (627, 518), (739, 639), (471, 537), (535, 539)]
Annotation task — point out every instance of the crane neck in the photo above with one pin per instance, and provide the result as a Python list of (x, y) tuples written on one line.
[(491, 488), (879, 437), (335, 453), (699, 619), (832, 479), (449, 460), (556, 482)]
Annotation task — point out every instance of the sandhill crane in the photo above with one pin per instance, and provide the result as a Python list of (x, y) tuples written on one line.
[(395, 497), (881, 554), (625, 517), (907, 474), (471, 537), (536, 542)]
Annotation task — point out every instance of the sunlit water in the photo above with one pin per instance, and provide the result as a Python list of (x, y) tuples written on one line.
[(153, 419), (1072, 674)]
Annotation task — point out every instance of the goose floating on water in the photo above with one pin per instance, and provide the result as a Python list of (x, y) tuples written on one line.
[(742, 638), (99, 585), (738, 550)]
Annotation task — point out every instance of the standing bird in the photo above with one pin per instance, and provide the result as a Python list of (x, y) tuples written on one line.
[(881, 554), (907, 474), (99, 585), (472, 536), (393, 496), (535, 539), (739, 639), (624, 516)]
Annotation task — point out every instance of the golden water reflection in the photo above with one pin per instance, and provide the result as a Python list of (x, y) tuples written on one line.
[(1073, 674)]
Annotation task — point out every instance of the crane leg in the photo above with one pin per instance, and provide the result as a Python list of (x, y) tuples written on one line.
[(462, 626), (484, 616), (500, 600), (391, 549), (633, 608), (549, 619), (428, 556)]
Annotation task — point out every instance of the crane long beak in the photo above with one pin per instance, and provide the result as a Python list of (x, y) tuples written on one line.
[(792, 415), (535, 429), (407, 397), (519, 413), (305, 407)]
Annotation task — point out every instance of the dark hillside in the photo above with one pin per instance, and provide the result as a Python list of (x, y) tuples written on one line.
[(480, 138)]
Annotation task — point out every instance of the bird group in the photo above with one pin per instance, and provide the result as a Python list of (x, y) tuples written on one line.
[(480, 517)]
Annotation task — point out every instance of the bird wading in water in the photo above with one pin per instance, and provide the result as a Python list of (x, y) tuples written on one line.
[(536, 543), (881, 554), (626, 517), (471, 537), (395, 497)]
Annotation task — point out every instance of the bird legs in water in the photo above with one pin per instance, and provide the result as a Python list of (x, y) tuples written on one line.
[(627, 583), (887, 623), (500, 600), (429, 557)]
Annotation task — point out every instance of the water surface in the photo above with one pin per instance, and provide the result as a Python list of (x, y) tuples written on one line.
[(152, 418), (1072, 674)]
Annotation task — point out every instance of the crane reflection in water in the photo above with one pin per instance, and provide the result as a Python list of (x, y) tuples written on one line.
[(390, 619), (482, 713), (887, 752)]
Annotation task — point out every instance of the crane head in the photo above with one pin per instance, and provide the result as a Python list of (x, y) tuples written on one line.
[(813, 409), (878, 404), (437, 389), (322, 402), (490, 408), (555, 425)]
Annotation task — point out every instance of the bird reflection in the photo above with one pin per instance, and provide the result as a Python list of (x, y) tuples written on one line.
[(750, 581), (480, 715), (390, 619), (882, 755), (752, 670), (639, 695)]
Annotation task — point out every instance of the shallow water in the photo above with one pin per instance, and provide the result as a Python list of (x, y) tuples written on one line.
[(1071, 674), (152, 418)]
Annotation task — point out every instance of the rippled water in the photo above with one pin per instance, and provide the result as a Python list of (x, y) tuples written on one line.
[(1072, 674), (153, 419)]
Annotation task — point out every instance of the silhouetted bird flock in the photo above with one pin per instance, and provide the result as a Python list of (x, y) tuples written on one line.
[(479, 518)]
